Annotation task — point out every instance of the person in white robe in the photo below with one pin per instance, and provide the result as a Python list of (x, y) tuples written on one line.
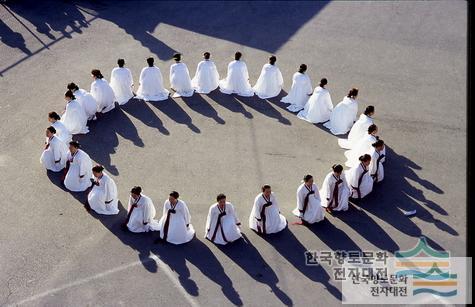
[(74, 118), (79, 166), (376, 168), (151, 83), (55, 153), (344, 114), (358, 178), (102, 92), (335, 192), (222, 224), (363, 146), (270, 80), (85, 99), (309, 208), (319, 106), (61, 131), (140, 212), (122, 83), (359, 129), (175, 224), (265, 215), (237, 80), (180, 80), (300, 90), (103, 196), (206, 78)]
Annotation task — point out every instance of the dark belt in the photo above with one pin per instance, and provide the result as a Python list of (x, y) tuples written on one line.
[(218, 224)]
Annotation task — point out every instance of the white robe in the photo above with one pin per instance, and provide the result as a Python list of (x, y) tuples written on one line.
[(237, 80), (206, 78), (376, 168), (353, 177), (87, 102), (103, 94), (313, 212), (318, 107), (274, 221), (79, 165), (343, 116), (299, 92), (122, 84), (54, 157), (227, 226), (357, 132), (142, 217), (74, 118), (178, 231), (270, 82), (180, 80), (103, 196), (62, 132), (363, 146), (151, 85), (327, 192)]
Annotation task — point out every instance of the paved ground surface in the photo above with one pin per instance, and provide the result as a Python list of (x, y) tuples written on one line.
[(407, 58)]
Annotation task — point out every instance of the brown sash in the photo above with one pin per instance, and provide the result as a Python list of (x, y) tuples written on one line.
[(360, 180), (305, 201), (167, 221), (134, 205), (219, 225), (334, 201), (375, 175), (263, 214)]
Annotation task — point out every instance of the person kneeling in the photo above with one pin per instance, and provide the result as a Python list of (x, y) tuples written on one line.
[(175, 224), (265, 216), (309, 207), (222, 225), (141, 212), (335, 192), (54, 155), (103, 196)]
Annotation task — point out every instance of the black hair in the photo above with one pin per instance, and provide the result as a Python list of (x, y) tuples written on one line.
[(378, 143), (372, 128), (121, 62), (54, 115), (220, 196), (306, 178), (353, 93), (237, 56), (75, 144), (206, 55), (97, 73), (369, 110), (302, 68), (272, 59), (174, 194), (136, 190), (73, 86), (337, 168), (265, 187), (69, 94), (177, 56), (365, 158), (150, 61), (323, 82), (51, 129), (98, 168)]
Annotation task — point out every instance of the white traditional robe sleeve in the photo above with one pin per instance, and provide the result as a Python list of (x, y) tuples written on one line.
[(62, 132), (103, 197), (363, 146), (357, 132), (221, 226), (80, 165), (299, 92), (151, 85), (237, 80), (175, 226), (122, 84), (343, 116), (180, 80), (103, 94), (358, 179), (313, 212), (206, 78), (327, 193), (270, 82), (54, 157), (74, 118), (87, 102), (318, 107), (376, 168), (274, 221)]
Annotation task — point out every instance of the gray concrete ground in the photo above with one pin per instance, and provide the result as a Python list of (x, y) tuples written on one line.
[(407, 58)]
